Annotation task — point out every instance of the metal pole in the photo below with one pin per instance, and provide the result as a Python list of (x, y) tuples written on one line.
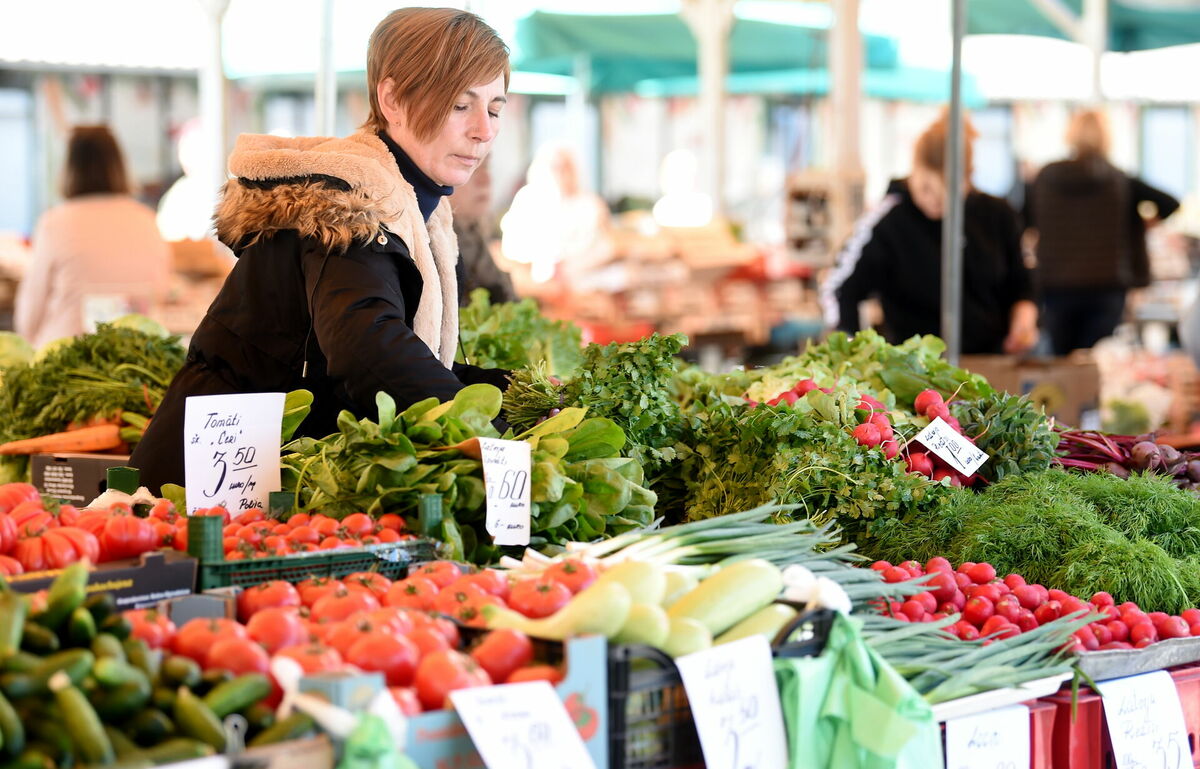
[(325, 91), (952, 219), (212, 99)]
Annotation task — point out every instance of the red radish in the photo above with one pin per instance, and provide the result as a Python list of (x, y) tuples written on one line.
[(1003, 588), (1118, 630), (804, 387), (914, 568), (939, 410), (1128, 605), (1132, 617), (1043, 594), (1143, 631), (789, 397), (938, 615), (963, 580), (993, 624), (1102, 599), (891, 449), (947, 607), (1088, 637), (752, 403), (1058, 595), (914, 609), (952, 421), (965, 630), (943, 586), (990, 592), (1103, 634), (1194, 629), (959, 600), (1026, 621), (894, 574), (945, 472), (1173, 627), (881, 565), (927, 600), (1072, 604), (939, 563), (1009, 608), (868, 435), (962, 567), (1157, 617), (1048, 612), (925, 399), (1192, 616), (978, 610), (1115, 645), (1028, 596), (919, 462), (1014, 581), (774, 401), (884, 424), (1142, 644)]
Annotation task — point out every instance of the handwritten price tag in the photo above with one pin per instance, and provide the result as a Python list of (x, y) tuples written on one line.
[(735, 702), (231, 450), (1145, 722), (506, 468), (521, 726), (998, 739), (954, 449)]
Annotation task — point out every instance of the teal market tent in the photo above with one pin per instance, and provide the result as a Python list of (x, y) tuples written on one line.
[(1133, 25)]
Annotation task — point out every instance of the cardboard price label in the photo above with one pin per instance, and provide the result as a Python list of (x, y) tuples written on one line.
[(953, 448), (997, 739), (1145, 722), (231, 450), (521, 726), (506, 470), (735, 702)]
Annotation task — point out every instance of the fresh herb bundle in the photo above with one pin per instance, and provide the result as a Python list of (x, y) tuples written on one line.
[(1011, 430), (515, 335)]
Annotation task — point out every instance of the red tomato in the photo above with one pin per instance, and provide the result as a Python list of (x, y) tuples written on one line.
[(441, 572), (393, 655), (217, 511), (10, 567), (164, 510), (503, 651), (13, 494), (152, 626), (31, 554), (358, 524), (303, 535), (493, 581), (412, 593), (180, 542), (428, 640), (392, 522), (441, 625), (63, 549), (538, 597), (277, 627), (197, 636), (315, 588), (238, 655), (452, 597), (34, 523), (253, 515), (536, 673), (127, 536), (371, 581), (406, 699), (390, 618), (471, 612), (299, 519), (314, 658), (388, 535), (443, 672), (344, 634), (8, 533), (267, 595), (342, 603)]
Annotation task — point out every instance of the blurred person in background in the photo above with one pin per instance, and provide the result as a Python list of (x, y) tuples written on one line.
[(1087, 216), (472, 206), (98, 254), (895, 254)]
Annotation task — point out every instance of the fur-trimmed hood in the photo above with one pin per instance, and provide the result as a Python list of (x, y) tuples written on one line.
[(339, 191)]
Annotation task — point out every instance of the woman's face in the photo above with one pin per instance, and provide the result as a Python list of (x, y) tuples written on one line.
[(928, 190), (452, 155)]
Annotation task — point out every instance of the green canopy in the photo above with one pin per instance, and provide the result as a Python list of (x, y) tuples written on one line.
[(622, 51), (1132, 25)]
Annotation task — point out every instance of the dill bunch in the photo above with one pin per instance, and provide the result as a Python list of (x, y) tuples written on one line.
[(1145, 505), (1130, 570)]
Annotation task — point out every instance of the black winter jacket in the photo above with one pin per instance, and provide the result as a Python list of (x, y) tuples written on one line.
[(895, 255), (340, 306)]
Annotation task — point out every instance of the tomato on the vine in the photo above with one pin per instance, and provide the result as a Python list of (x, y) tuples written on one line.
[(450, 598), (127, 536), (392, 522)]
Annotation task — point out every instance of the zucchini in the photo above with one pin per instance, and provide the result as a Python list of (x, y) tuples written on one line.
[(647, 624), (767, 622), (645, 581), (39, 639), (686, 636), (178, 670), (11, 728), (150, 727), (81, 628), (107, 645), (14, 608), (729, 596), (241, 692), (82, 722), (67, 593), (101, 605), (293, 727), (195, 719)]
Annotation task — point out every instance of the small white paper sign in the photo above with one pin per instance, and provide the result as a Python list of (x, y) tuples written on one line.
[(231, 450), (953, 448), (997, 738), (1145, 721), (521, 726), (506, 469), (735, 702)]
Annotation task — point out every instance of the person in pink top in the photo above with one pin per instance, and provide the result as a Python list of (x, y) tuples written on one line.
[(95, 256)]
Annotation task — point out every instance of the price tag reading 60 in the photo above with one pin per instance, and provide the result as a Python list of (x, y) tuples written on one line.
[(506, 468)]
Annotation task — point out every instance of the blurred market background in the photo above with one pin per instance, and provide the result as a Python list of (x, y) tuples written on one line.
[(708, 147)]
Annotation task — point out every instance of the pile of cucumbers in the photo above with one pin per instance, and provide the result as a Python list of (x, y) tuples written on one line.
[(77, 691)]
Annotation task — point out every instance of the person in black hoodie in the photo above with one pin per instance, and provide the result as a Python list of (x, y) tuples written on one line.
[(1091, 236), (895, 254), (348, 270)]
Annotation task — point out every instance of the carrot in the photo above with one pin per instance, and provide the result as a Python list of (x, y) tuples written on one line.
[(97, 438)]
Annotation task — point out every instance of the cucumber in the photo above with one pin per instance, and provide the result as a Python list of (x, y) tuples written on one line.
[(194, 719), (112, 673), (123, 701), (118, 625), (241, 692), (11, 728), (259, 716), (122, 745), (76, 663), (150, 727), (20, 662), (82, 722), (178, 749), (141, 656), (211, 679), (293, 727), (101, 605), (138, 761), (729, 596), (107, 645), (81, 628), (53, 735), (39, 639), (30, 758), (18, 685), (178, 670), (67, 593), (14, 608), (163, 699)]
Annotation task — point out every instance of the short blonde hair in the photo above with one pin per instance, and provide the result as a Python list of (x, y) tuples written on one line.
[(1087, 133), (930, 150), (432, 55)]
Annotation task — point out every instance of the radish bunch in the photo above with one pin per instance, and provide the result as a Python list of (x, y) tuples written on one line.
[(930, 404), (874, 428), (1003, 608)]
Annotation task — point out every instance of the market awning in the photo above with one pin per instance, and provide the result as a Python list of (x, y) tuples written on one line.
[(623, 51), (1133, 25)]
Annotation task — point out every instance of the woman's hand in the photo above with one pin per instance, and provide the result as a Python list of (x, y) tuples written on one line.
[(1022, 329)]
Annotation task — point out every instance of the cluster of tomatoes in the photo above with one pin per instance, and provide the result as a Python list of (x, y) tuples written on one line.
[(252, 534), (35, 538), (1003, 608), (360, 620)]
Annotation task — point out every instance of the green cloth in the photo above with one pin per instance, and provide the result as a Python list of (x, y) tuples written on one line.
[(370, 746), (849, 709)]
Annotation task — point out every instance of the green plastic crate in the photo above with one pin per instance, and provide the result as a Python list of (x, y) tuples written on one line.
[(391, 560)]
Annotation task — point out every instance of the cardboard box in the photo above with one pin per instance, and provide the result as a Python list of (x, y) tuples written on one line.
[(74, 478), (135, 583), (1067, 388)]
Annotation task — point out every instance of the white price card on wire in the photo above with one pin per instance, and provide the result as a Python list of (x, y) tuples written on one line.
[(953, 447), (1145, 721), (998, 738), (506, 470), (231, 450), (735, 702), (521, 726)]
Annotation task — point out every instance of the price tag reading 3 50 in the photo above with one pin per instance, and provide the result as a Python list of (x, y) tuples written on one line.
[(231, 450), (953, 448), (506, 469)]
